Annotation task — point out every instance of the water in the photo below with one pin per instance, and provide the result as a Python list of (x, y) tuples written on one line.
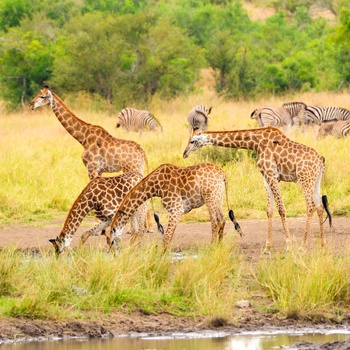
[(189, 341)]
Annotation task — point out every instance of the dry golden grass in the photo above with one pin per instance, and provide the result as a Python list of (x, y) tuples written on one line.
[(42, 173)]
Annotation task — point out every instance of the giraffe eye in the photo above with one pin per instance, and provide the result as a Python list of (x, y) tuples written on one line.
[(192, 142), (43, 97)]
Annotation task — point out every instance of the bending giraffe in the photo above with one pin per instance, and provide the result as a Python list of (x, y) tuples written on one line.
[(102, 152), (103, 195), (279, 159), (181, 189)]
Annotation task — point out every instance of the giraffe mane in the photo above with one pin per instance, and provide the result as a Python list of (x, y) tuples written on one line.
[(70, 111), (73, 207), (136, 187), (272, 128)]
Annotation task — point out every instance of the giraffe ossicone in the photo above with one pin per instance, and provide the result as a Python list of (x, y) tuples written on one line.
[(102, 151)]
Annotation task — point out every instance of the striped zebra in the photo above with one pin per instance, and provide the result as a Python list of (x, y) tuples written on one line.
[(138, 120), (198, 118), (296, 111), (278, 117), (315, 115), (337, 128)]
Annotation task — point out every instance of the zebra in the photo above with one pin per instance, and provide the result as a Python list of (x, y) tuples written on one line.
[(137, 120), (296, 111), (315, 115), (337, 128), (198, 118), (277, 117)]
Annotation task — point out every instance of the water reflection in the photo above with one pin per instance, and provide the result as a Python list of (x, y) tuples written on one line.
[(194, 341)]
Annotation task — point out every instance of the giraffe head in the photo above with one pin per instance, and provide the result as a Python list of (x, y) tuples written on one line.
[(60, 244), (42, 99), (196, 141), (114, 237)]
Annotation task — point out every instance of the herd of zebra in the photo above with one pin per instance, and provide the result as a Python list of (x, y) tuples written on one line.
[(333, 121), (132, 119)]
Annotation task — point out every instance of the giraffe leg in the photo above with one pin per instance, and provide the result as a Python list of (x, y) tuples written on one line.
[(274, 192), (313, 202), (174, 217), (217, 223), (95, 231)]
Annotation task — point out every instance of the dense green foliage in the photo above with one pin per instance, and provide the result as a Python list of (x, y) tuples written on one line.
[(128, 51)]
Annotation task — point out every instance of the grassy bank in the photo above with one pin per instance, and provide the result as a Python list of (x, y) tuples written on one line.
[(41, 172), (206, 283)]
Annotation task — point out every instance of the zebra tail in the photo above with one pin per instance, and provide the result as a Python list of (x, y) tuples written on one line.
[(232, 218), (325, 205)]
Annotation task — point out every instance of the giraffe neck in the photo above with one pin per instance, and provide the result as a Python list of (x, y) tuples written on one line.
[(79, 129), (144, 190), (245, 139), (77, 213)]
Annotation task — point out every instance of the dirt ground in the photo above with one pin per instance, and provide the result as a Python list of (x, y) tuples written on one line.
[(251, 245)]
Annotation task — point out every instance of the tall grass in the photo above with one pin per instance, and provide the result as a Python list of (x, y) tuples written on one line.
[(41, 172), (143, 279), (306, 285)]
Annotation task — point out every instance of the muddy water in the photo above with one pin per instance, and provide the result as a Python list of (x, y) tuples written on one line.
[(193, 341)]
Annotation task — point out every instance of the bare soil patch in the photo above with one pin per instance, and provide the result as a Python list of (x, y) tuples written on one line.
[(187, 235)]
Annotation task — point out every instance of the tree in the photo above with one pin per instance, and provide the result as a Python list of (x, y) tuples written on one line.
[(25, 62), (343, 46), (125, 58)]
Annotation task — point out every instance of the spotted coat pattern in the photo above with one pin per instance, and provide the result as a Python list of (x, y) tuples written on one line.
[(279, 159), (181, 189), (102, 152), (103, 195)]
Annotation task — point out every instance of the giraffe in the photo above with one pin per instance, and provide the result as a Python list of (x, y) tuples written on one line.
[(279, 159), (103, 195), (181, 189), (102, 152)]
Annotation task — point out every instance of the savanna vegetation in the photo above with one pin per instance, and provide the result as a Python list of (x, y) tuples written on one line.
[(128, 52), (42, 174), (166, 56)]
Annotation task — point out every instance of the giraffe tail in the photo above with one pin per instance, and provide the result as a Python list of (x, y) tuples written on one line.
[(325, 206), (233, 219), (159, 225)]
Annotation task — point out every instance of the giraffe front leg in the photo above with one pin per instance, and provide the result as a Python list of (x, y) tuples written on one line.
[(273, 192), (174, 218), (269, 212), (281, 210), (95, 231)]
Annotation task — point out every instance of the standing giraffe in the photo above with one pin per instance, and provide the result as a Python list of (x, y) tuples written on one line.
[(102, 152), (279, 159), (181, 189), (103, 195)]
